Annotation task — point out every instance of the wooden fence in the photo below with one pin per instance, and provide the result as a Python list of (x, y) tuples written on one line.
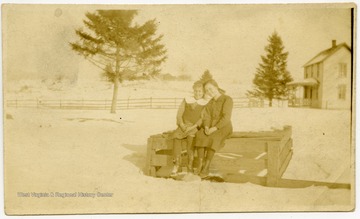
[(300, 102), (129, 103)]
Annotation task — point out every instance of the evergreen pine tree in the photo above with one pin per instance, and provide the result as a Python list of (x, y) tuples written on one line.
[(272, 76), (120, 48), (206, 76)]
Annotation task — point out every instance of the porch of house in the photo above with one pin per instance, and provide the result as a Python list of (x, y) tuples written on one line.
[(304, 93), (299, 102)]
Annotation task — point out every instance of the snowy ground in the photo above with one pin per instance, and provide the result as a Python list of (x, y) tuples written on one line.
[(95, 151)]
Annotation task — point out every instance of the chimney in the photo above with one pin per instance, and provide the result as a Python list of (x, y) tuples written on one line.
[(333, 43)]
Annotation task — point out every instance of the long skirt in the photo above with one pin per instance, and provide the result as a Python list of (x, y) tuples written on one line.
[(214, 141)]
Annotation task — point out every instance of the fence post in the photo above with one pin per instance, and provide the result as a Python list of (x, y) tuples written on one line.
[(150, 102), (175, 103), (105, 105), (128, 102), (60, 103)]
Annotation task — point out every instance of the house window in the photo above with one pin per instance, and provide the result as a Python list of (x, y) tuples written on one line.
[(317, 70), (341, 92), (308, 93), (308, 72), (342, 70), (312, 70)]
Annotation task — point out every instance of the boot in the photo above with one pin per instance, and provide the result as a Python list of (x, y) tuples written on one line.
[(199, 167), (176, 169), (190, 168), (205, 171)]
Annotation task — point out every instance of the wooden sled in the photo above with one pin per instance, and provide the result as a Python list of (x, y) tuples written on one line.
[(257, 157)]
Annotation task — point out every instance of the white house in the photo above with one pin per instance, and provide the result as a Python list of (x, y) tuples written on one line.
[(327, 82)]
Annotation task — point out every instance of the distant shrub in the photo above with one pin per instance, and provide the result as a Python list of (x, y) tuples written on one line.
[(24, 88), (206, 76), (168, 77), (184, 77)]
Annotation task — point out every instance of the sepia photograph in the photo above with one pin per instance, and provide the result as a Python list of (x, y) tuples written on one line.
[(186, 108)]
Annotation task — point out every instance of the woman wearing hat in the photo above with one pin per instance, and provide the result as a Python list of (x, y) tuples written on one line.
[(216, 126)]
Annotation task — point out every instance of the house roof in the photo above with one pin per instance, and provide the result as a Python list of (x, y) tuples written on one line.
[(312, 82), (325, 54)]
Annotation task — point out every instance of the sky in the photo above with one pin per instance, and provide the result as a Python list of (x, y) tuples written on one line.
[(226, 39)]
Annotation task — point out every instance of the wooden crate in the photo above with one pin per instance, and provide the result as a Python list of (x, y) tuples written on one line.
[(259, 157), (159, 156), (246, 156)]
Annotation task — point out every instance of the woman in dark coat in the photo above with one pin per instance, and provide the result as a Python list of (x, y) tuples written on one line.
[(216, 126)]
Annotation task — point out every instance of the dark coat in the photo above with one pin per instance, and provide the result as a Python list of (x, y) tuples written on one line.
[(217, 114)]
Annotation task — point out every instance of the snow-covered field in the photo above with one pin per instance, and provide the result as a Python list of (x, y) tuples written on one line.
[(95, 151), (100, 90)]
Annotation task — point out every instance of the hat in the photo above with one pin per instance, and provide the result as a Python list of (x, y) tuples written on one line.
[(213, 82)]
